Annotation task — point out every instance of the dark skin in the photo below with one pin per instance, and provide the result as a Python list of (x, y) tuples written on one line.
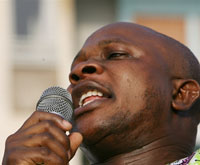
[(42, 139), (148, 111)]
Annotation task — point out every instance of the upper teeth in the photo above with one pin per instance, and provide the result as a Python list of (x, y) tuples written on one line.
[(88, 94)]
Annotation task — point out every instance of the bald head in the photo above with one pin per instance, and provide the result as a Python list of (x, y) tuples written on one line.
[(181, 61), (173, 58), (140, 74)]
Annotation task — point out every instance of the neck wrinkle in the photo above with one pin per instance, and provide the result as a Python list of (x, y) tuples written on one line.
[(160, 152)]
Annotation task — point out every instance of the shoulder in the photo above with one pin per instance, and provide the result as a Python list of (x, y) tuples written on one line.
[(193, 159)]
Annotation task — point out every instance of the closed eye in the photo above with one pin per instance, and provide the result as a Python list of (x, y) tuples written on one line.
[(117, 56)]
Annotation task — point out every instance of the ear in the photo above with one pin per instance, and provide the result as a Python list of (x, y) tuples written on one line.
[(185, 93)]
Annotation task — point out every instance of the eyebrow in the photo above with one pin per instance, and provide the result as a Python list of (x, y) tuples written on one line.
[(114, 40), (137, 51), (102, 44)]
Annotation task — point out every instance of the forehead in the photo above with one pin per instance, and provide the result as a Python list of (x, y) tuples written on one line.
[(125, 34), (134, 37), (114, 34), (107, 36), (99, 43)]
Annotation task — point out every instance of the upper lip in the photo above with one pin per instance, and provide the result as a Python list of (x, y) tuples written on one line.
[(86, 86)]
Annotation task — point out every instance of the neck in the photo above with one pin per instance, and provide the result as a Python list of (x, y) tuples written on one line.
[(162, 151), (158, 156)]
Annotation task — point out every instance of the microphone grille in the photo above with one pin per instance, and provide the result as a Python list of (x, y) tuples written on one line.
[(56, 100)]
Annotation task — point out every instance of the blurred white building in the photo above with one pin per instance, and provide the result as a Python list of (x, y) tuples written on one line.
[(39, 39)]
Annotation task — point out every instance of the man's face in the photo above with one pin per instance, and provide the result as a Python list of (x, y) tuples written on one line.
[(120, 88)]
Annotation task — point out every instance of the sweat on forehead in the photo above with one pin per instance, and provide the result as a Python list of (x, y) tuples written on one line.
[(180, 60)]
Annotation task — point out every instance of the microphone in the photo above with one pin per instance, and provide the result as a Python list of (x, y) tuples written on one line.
[(58, 101)]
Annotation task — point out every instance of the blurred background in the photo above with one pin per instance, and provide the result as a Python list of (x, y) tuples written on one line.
[(39, 38)]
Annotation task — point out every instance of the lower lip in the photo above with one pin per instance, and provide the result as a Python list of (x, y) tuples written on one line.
[(89, 107)]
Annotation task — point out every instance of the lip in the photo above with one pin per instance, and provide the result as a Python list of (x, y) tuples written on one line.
[(89, 107), (84, 87)]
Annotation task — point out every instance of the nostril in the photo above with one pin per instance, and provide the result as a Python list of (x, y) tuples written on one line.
[(89, 69), (75, 77)]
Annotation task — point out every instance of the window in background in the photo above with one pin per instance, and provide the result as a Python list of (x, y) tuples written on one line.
[(171, 26), (32, 52), (26, 15)]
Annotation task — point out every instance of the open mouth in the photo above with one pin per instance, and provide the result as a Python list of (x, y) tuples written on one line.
[(88, 92), (89, 97)]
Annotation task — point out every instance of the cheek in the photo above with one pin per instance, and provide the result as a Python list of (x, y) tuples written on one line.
[(138, 91), (130, 90)]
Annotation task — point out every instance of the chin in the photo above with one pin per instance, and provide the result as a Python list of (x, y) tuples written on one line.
[(92, 130)]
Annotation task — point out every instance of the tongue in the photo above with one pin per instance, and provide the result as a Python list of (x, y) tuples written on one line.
[(91, 98)]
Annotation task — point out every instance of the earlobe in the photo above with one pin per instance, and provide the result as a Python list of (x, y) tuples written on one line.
[(185, 93)]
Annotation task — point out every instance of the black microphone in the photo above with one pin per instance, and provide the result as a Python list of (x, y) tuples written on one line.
[(58, 101)]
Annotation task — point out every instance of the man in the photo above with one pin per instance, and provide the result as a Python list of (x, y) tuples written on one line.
[(136, 100)]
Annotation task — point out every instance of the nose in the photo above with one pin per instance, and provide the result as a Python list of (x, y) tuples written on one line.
[(84, 70)]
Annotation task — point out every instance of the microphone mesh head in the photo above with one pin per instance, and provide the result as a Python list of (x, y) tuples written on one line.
[(58, 101)]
